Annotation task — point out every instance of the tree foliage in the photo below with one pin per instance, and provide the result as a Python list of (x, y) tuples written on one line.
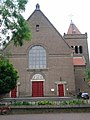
[(13, 26), (8, 76), (87, 73)]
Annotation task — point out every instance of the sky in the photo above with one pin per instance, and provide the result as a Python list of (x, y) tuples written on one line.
[(61, 12)]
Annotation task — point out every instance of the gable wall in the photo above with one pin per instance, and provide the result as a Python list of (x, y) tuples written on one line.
[(59, 59)]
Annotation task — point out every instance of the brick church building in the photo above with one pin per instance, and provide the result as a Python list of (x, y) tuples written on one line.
[(50, 64)]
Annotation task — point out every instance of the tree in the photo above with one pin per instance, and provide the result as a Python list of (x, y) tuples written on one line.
[(87, 73), (8, 76), (13, 26)]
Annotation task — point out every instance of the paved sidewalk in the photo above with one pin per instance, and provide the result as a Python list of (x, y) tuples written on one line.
[(61, 116), (38, 99)]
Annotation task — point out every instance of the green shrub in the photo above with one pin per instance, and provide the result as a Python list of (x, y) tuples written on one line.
[(25, 103), (17, 103), (72, 102), (45, 102)]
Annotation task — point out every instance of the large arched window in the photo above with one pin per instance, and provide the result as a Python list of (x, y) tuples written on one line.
[(37, 57)]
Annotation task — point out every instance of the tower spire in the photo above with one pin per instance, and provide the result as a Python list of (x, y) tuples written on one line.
[(37, 6), (73, 29)]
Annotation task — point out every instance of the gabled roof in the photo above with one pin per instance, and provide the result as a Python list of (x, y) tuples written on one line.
[(38, 9), (73, 29), (79, 61)]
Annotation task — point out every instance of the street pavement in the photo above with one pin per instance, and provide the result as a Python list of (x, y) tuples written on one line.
[(60, 116)]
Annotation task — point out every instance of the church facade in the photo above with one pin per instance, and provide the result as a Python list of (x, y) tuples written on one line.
[(50, 64)]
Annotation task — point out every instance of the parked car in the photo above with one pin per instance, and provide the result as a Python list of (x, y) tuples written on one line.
[(83, 95)]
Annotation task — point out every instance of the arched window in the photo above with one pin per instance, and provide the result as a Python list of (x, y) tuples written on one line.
[(37, 57), (76, 49), (37, 28), (37, 77), (80, 49)]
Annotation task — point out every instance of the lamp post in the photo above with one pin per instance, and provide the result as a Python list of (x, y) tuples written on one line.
[(67, 91)]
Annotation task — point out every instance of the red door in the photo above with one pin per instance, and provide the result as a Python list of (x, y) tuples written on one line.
[(14, 93), (60, 90), (37, 89)]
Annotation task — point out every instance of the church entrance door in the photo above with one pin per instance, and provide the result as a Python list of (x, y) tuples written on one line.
[(37, 89), (14, 93), (60, 90)]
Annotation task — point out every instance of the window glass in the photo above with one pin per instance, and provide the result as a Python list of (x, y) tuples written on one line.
[(37, 57), (76, 49), (80, 49)]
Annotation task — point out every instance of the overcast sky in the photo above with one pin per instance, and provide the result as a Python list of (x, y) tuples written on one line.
[(60, 13)]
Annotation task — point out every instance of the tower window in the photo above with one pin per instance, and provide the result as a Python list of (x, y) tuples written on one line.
[(76, 49), (80, 49), (37, 28)]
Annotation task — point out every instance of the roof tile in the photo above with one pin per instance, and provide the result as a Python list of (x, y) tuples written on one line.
[(73, 29), (79, 61)]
